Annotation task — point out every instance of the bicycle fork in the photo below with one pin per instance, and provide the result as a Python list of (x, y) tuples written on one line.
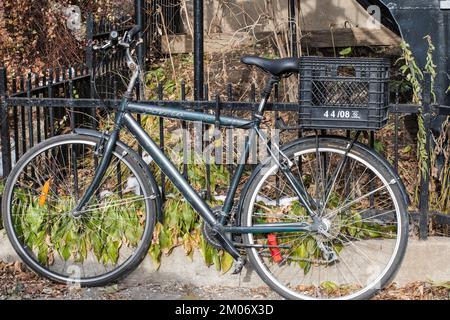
[(102, 167), (108, 150)]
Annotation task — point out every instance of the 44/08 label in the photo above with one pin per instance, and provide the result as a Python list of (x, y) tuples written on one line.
[(342, 114)]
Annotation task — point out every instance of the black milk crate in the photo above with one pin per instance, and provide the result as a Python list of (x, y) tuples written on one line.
[(343, 93)]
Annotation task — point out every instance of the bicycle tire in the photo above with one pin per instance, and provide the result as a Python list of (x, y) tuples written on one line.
[(300, 147), (130, 158)]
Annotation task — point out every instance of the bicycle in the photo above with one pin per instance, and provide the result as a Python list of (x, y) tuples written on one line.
[(324, 217)]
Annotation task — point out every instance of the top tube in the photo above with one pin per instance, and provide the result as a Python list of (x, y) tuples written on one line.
[(176, 113)]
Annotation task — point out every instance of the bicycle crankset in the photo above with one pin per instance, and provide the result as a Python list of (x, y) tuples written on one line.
[(209, 233)]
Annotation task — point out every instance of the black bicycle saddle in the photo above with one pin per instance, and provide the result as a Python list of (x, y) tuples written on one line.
[(276, 67)]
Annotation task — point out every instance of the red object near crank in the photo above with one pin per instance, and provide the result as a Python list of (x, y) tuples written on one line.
[(274, 250)]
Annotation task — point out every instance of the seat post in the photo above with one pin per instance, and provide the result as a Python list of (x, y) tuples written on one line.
[(267, 91)]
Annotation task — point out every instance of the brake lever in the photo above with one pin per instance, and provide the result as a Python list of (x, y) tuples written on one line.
[(140, 41), (102, 47)]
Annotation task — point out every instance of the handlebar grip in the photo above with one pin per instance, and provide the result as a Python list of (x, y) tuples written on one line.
[(133, 32)]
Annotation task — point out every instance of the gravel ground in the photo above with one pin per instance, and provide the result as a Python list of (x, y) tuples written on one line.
[(17, 283)]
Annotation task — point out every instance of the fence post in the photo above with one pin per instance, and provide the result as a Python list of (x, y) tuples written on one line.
[(293, 27), (90, 64), (90, 39), (140, 21), (5, 143), (198, 50), (425, 180)]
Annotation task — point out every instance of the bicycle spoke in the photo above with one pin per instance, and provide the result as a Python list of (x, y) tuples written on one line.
[(360, 234), (110, 229)]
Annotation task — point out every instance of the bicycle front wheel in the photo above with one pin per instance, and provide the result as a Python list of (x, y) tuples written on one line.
[(364, 229), (107, 241)]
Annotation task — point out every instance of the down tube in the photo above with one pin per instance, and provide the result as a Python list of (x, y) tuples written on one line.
[(169, 169)]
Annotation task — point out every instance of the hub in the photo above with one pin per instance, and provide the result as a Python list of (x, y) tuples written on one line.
[(329, 229)]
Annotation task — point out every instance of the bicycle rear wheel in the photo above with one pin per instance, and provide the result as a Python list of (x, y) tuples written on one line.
[(365, 231), (111, 237)]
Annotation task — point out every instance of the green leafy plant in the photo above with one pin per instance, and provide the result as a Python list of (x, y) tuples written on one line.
[(415, 76), (411, 71), (303, 250), (440, 187), (346, 52), (182, 225), (430, 66), (104, 232)]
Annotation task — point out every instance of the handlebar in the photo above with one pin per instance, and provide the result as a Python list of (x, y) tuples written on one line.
[(125, 42), (115, 40), (133, 32)]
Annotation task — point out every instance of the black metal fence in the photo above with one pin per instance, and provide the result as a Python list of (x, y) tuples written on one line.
[(100, 77), (97, 78), (161, 18), (35, 107)]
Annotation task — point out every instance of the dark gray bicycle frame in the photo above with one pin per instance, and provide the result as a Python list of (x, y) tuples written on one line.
[(124, 118)]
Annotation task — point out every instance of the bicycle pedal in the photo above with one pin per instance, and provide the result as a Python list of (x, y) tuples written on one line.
[(239, 265)]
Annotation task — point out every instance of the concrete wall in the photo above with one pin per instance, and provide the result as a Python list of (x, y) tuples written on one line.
[(319, 15), (238, 15), (424, 261)]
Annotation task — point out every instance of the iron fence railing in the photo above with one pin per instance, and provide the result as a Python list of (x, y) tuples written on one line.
[(36, 108), (100, 77), (162, 17)]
